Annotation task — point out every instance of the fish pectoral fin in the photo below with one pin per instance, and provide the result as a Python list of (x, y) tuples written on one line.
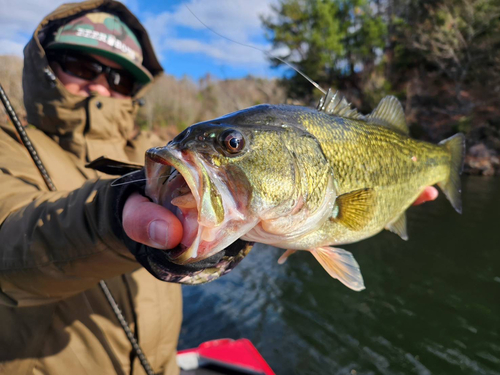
[(398, 226), (390, 113), (341, 265), (355, 209), (285, 256)]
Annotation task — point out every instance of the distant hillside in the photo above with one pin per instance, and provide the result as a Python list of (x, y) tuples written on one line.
[(184, 102)]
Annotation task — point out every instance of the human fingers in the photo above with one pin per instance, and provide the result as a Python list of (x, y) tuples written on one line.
[(429, 194), (151, 224)]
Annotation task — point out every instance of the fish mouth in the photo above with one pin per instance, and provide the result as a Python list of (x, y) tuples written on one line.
[(206, 208)]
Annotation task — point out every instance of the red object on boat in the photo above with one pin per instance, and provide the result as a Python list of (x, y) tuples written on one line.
[(239, 355)]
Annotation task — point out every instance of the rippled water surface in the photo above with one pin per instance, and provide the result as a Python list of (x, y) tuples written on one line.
[(432, 304)]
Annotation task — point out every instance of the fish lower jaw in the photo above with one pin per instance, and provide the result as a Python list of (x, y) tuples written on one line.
[(211, 240), (204, 246), (182, 255)]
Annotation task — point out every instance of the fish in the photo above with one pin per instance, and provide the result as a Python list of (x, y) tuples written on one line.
[(297, 178)]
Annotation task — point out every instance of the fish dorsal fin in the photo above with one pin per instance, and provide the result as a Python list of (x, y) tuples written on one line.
[(389, 113), (340, 265), (354, 209), (334, 104), (398, 226)]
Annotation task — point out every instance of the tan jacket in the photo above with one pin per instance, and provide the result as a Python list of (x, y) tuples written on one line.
[(56, 246)]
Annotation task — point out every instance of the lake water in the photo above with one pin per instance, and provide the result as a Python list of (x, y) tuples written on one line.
[(431, 304)]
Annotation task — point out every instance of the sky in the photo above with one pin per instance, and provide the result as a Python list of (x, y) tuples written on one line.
[(184, 45)]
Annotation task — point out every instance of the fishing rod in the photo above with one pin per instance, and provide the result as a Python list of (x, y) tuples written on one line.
[(25, 140)]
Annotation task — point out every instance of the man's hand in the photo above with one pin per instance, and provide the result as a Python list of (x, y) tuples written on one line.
[(150, 224), (429, 194)]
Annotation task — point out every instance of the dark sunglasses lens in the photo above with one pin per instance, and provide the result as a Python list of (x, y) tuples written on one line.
[(121, 82), (81, 67), (87, 70)]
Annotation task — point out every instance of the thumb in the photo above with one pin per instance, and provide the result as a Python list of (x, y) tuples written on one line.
[(151, 224), (429, 194)]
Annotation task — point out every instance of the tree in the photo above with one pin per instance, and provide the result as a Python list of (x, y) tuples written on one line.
[(331, 41), (462, 39)]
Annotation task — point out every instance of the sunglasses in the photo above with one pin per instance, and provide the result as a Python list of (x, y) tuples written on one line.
[(87, 68)]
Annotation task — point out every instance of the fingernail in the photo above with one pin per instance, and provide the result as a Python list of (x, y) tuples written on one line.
[(158, 232)]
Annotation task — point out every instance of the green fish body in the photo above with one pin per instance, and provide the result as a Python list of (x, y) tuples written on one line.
[(302, 179), (394, 167)]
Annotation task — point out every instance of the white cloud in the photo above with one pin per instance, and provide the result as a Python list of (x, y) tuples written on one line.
[(19, 18), (238, 20), (8, 47), (228, 52), (25, 15)]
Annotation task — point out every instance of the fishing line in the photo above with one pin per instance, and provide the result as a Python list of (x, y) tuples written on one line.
[(114, 183), (258, 49)]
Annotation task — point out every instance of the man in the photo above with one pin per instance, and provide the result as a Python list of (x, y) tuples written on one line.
[(84, 68)]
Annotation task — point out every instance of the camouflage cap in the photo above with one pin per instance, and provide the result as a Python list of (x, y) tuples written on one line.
[(105, 35)]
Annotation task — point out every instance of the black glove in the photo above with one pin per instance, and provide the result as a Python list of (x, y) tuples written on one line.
[(156, 261)]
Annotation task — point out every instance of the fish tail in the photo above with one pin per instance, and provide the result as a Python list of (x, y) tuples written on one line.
[(451, 186)]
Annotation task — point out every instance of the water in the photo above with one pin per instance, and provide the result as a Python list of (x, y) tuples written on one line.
[(432, 304)]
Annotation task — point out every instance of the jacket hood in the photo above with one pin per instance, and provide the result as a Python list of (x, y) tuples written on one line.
[(86, 126)]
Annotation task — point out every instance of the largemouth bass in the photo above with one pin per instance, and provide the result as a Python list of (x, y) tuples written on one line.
[(297, 178)]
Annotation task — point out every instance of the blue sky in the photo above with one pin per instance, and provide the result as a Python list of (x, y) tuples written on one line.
[(184, 45)]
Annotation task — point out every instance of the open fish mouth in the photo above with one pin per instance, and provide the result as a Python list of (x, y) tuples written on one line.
[(201, 201), (178, 191), (177, 196)]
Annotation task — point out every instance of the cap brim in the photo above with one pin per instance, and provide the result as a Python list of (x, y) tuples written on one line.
[(140, 73)]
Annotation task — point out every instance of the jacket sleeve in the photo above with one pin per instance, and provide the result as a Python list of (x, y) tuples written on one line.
[(55, 244)]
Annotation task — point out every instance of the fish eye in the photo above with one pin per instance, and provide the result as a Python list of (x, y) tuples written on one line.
[(233, 141)]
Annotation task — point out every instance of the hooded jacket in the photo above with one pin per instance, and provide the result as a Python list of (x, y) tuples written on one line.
[(56, 246)]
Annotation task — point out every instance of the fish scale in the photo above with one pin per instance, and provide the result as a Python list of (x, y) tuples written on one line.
[(363, 155), (306, 179)]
